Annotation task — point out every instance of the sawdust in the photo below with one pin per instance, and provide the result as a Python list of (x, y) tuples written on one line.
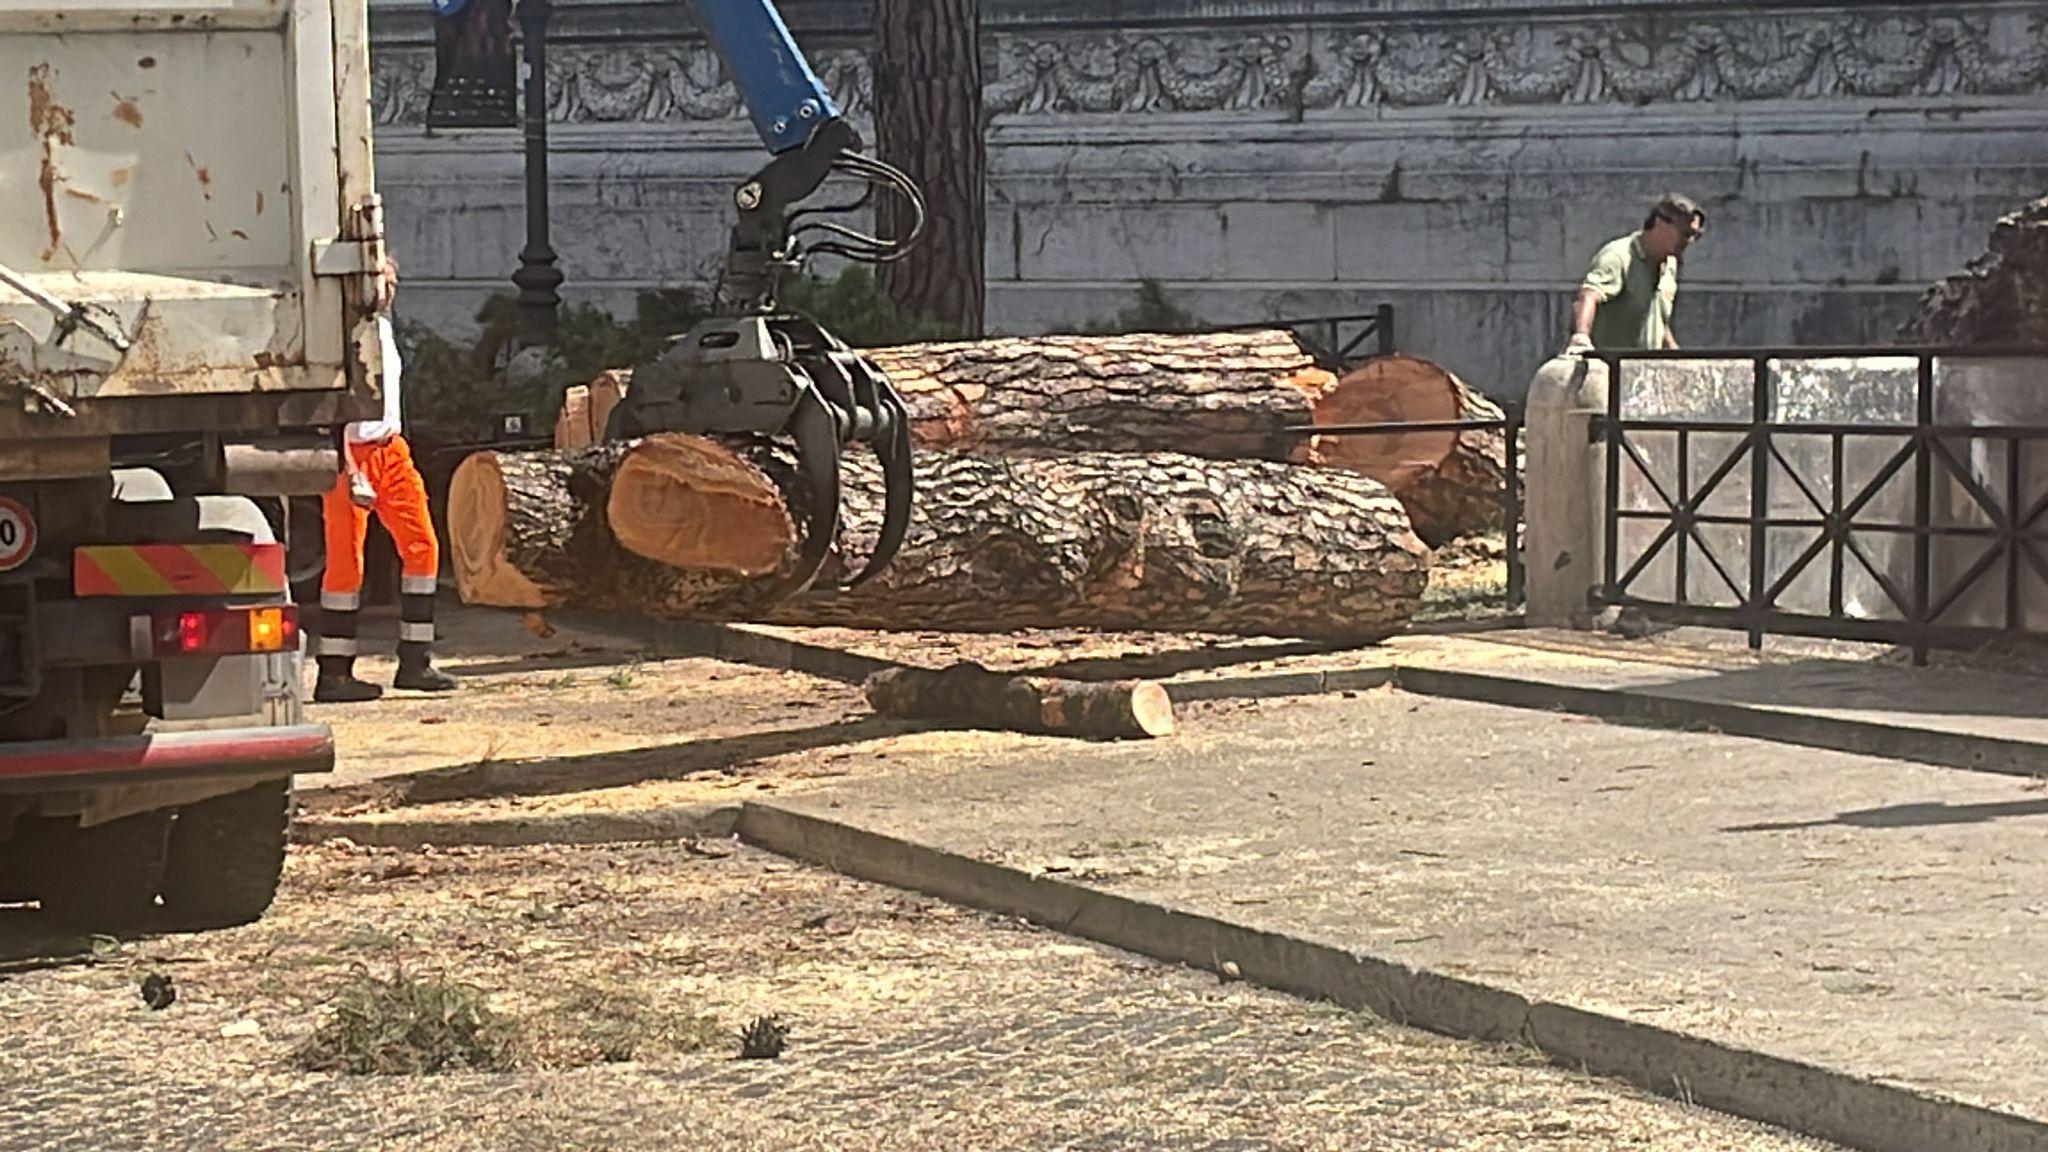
[(910, 1024)]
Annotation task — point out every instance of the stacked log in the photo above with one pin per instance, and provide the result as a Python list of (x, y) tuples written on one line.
[(1219, 396), (1450, 480), (688, 527)]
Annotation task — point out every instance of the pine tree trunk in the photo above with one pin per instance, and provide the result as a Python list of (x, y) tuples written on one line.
[(928, 123), (1152, 542)]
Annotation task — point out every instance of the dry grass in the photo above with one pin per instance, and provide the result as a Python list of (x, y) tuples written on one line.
[(405, 1025), (614, 1023), (609, 986)]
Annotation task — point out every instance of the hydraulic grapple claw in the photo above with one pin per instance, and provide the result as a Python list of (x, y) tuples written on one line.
[(892, 448), (770, 375), (816, 434)]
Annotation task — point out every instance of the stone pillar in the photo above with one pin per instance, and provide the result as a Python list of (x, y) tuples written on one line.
[(1566, 487)]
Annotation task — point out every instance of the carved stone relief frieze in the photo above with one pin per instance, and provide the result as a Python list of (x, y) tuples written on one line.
[(1957, 50)]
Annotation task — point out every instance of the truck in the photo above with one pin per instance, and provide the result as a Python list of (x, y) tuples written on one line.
[(192, 279)]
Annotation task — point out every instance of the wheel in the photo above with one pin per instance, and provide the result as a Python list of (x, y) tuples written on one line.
[(226, 856), (103, 877)]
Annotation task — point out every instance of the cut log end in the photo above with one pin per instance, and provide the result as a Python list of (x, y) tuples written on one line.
[(1151, 709), (1385, 390), (476, 531), (694, 504), (1449, 481)]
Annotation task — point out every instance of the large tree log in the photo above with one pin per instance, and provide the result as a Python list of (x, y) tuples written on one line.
[(1449, 481), (1219, 395), (1046, 705), (687, 527)]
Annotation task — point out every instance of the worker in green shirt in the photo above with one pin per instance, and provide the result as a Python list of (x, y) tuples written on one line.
[(1626, 298)]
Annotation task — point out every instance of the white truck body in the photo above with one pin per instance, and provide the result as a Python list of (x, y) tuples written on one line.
[(196, 177), (203, 169)]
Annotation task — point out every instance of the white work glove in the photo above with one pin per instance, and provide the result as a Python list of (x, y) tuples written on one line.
[(360, 493), (1578, 345)]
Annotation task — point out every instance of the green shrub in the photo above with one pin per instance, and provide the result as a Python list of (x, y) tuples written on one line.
[(454, 390), (854, 307), (1151, 311)]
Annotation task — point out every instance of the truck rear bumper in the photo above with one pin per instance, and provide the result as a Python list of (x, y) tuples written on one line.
[(256, 753)]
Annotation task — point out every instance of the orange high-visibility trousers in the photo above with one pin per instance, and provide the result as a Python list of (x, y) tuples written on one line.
[(401, 506)]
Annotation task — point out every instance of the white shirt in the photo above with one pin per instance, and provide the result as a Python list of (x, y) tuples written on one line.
[(377, 431)]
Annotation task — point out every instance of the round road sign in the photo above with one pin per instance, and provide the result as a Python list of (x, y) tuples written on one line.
[(17, 534)]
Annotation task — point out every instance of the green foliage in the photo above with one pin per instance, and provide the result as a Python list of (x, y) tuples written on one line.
[(407, 1026), (454, 390), (1152, 311), (854, 307)]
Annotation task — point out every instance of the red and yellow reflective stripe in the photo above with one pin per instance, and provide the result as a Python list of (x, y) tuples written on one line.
[(177, 569)]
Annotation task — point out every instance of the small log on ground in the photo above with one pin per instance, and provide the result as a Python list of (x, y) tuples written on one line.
[(687, 527), (1045, 705), (1217, 395)]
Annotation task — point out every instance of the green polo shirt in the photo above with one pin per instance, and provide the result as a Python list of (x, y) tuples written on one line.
[(1635, 295)]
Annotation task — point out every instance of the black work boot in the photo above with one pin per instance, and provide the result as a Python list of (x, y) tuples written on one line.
[(338, 684), (416, 671)]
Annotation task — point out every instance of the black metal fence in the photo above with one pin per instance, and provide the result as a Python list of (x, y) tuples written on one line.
[(1335, 342), (1894, 495)]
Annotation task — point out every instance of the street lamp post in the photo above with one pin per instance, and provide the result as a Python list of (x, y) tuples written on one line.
[(538, 279)]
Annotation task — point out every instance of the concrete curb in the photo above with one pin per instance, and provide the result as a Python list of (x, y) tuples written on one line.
[(1800, 1097), (1627, 705), (1840, 734), (644, 826)]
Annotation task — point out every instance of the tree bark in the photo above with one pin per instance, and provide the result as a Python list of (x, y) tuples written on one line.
[(2000, 298), (928, 123), (1044, 705), (1152, 542), (1225, 395)]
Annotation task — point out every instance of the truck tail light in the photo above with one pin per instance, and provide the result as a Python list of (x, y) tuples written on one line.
[(223, 631)]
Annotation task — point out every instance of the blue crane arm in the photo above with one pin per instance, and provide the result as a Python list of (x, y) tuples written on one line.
[(785, 98)]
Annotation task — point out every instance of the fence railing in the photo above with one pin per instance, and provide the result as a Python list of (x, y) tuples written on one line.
[(1336, 342), (1894, 495)]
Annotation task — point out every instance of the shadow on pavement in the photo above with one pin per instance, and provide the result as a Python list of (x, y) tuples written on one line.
[(558, 775), (1910, 816)]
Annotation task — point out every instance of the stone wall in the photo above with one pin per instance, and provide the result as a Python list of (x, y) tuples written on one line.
[(1461, 158)]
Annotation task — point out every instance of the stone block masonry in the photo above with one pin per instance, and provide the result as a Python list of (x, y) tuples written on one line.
[(1460, 158)]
